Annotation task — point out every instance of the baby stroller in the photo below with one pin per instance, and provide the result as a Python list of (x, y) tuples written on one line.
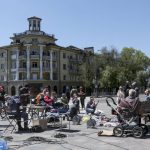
[(129, 119)]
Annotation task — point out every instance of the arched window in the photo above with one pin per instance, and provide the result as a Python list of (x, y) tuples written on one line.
[(55, 88), (13, 90)]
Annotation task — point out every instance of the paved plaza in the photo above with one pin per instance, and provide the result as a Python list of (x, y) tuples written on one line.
[(78, 137)]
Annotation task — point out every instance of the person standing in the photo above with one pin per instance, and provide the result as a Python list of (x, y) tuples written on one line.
[(73, 91), (82, 95), (67, 93), (2, 96), (127, 88), (120, 94)]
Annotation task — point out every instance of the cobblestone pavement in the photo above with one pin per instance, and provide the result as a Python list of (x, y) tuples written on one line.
[(78, 137)]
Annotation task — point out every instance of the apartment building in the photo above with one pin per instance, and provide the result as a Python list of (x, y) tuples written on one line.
[(34, 58)]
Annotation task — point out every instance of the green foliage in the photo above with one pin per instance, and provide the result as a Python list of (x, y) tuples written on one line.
[(112, 68)]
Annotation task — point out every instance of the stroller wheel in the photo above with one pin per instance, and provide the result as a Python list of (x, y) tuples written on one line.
[(137, 132), (145, 129), (118, 131)]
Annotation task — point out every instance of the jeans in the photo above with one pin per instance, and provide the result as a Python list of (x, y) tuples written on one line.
[(90, 110)]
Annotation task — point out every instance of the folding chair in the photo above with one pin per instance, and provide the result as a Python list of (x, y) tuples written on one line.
[(2, 112), (11, 118)]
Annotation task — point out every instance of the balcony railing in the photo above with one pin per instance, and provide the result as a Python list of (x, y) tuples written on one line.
[(22, 69), (22, 56), (34, 56), (35, 69)]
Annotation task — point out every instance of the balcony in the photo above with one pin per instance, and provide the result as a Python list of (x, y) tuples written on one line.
[(22, 56), (45, 57), (35, 69), (37, 56), (73, 60), (46, 69), (22, 69)]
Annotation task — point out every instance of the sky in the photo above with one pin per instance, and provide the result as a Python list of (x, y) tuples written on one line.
[(82, 23)]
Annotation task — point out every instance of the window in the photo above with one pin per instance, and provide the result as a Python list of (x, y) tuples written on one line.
[(13, 76), (2, 55), (34, 77), (46, 64), (2, 66), (35, 41), (54, 54), (71, 57), (64, 77), (64, 66), (54, 65), (23, 52), (2, 78), (64, 55), (13, 65), (13, 52), (24, 64), (34, 65), (55, 76), (34, 24), (34, 52)]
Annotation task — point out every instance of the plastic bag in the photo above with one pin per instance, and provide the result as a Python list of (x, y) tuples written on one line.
[(3, 145)]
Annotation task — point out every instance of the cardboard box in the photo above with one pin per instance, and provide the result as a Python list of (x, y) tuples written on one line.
[(40, 122)]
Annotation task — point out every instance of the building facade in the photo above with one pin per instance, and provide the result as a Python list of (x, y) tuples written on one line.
[(34, 58)]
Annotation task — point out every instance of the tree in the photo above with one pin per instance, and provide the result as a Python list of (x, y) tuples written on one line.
[(142, 78), (132, 61)]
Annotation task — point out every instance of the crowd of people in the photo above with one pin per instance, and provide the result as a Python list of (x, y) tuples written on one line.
[(44, 98), (126, 95)]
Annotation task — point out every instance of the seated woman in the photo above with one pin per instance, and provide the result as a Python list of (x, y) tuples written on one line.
[(129, 102), (39, 99), (48, 100), (91, 106)]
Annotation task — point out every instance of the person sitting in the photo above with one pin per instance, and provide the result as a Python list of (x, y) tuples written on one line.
[(129, 102), (74, 108), (48, 100), (39, 99), (64, 99), (147, 93), (91, 106), (16, 107), (63, 103)]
